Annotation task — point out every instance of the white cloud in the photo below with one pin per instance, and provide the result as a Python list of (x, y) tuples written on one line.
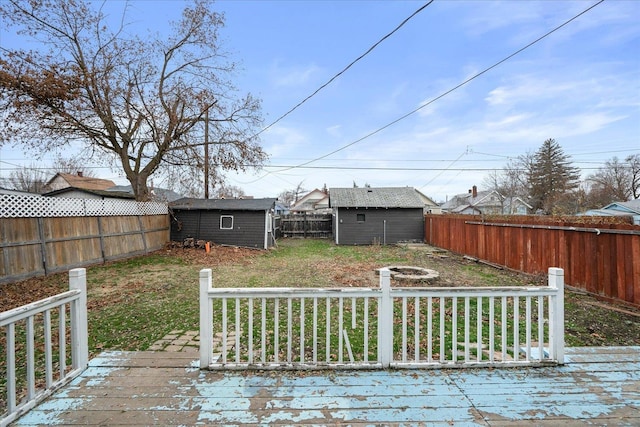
[(293, 76)]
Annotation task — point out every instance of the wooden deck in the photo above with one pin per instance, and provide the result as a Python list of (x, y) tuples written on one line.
[(597, 386)]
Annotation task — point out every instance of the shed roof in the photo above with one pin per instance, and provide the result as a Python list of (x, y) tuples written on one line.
[(187, 203), (385, 197)]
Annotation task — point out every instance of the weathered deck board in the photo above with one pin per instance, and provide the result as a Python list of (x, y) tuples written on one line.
[(598, 386)]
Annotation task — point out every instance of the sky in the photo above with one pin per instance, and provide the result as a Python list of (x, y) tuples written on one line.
[(403, 115)]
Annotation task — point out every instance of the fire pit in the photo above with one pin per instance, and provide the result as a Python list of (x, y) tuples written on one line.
[(412, 274)]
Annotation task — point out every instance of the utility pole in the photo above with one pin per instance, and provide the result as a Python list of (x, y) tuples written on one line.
[(206, 154)]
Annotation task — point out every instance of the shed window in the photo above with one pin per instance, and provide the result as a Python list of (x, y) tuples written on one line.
[(360, 217), (226, 222)]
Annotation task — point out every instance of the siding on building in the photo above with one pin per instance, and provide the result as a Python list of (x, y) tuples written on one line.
[(200, 220), (380, 226)]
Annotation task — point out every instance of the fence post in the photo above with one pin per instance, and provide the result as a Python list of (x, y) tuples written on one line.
[(385, 320), (556, 315), (206, 320), (79, 333)]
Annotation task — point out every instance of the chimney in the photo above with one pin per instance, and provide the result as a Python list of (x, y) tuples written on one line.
[(474, 191), (80, 174)]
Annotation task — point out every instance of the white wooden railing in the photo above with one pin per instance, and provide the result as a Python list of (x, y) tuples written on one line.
[(385, 327), (38, 347)]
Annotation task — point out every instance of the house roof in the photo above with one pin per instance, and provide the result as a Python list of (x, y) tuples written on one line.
[(187, 203), (311, 201), (85, 182), (632, 206), (386, 197), (102, 193)]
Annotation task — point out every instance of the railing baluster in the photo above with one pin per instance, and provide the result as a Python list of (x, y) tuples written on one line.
[(528, 327), (454, 329), (467, 306), (48, 358), (250, 331), (11, 367), (315, 330), (404, 329), (429, 329), (479, 322), (366, 328), (516, 328), (263, 332), (31, 376), (328, 330), (237, 329), (340, 328), (276, 329), (224, 330), (504, 329), (289, 330), (62, 340), (540, 328), (442, 355), (492, 328), (354, 310), (416, 332), (302, 320)]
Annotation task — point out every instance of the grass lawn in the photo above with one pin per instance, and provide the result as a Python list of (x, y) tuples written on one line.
[(133, 303)]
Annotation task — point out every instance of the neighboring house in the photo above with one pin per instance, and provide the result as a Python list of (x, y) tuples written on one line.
[(81, 193), (486, 203), (630, 208), (157, 194), (234, 222), (364, 216), (316, 201), (66, 180), (516, 206), (430, 207)]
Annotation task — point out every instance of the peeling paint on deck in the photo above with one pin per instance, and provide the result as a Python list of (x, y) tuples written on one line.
[(595, 387)]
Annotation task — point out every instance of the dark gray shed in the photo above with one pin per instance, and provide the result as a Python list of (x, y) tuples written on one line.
[(235, 222), (364, 216)]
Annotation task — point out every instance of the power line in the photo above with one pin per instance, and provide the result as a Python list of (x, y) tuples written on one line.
[(468, 80), (345, 68)]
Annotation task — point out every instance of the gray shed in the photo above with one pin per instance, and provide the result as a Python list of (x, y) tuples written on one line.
[(235, 222), (364, 216)]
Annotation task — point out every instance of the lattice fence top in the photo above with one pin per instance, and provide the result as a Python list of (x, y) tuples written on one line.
[(17, 206)]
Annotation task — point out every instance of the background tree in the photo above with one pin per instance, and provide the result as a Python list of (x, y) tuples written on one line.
[(225, 191), (551, 179), (31, 179), (142, 102), (291, 197), (71, 165)]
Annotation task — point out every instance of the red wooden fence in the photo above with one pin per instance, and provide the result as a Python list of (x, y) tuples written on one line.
[(599, 257)]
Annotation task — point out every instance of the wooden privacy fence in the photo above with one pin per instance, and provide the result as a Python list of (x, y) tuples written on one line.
[(600, 258), (40, 339), (42, 235), (416, 327), (306, 225)]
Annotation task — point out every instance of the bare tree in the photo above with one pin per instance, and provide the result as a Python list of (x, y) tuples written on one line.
[(291, 197), (71, 165), (142, 102), (224, 191), (618, 180), (31, 179)]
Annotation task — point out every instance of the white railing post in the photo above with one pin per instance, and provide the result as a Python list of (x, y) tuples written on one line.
[(385, 320), (206, 319), (556, 315), (79, 333)]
